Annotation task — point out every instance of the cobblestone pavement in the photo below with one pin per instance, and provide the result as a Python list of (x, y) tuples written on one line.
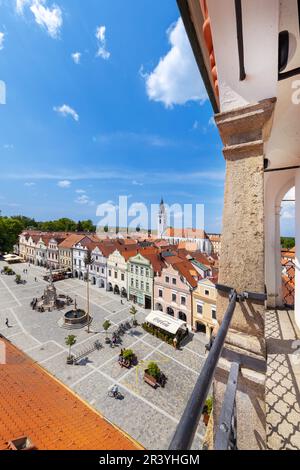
[(283, 381), (149, 416)]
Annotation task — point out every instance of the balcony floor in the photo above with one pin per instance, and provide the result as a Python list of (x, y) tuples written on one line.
[(283, 381)]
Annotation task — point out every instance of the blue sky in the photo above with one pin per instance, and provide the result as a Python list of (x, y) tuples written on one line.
[(103, 98)]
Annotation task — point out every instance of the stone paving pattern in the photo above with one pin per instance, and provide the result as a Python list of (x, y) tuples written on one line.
[(149, 416), (283, 381)]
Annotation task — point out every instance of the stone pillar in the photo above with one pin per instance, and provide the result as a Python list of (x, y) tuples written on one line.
[(244, 132), (297, 254)]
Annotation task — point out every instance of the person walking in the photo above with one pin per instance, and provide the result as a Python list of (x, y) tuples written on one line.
[(175, 342), (7, 323)]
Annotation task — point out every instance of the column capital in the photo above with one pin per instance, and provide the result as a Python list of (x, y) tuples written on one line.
[(244, 131)]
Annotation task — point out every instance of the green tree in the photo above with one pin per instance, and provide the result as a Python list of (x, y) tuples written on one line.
[(153, 370), (105, 228), (79, 227), (287, 242), (70, 341), (133, 311), (106, 325), (88, 226)]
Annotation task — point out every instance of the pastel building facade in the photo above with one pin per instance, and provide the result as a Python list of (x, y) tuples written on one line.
[(173, 291), (204, 306), (140, 281)]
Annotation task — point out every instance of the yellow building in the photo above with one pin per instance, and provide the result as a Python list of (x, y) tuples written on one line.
[(204, 306)]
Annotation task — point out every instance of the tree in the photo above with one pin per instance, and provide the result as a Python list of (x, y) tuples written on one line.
[(70, 341), (105, 228), (79, 227), (153, 370), (287, 242), (88, 226), (133, 312), (138, 229), (106, 325)]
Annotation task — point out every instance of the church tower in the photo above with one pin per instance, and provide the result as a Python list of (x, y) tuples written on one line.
[(162, 219)]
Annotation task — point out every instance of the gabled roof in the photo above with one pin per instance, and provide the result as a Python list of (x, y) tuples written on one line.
[(35, 405), (185, 233), (71, 240)]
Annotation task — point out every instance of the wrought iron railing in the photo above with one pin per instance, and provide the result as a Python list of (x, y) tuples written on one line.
[(225, 438), (288, 283)]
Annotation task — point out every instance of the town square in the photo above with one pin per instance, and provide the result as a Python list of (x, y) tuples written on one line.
[(150, 416)]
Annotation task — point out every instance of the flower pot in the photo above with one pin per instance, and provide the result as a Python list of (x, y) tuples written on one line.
[(70, 360)]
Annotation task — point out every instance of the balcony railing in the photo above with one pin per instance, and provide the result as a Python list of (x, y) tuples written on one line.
[(288, 284), (225, 438)]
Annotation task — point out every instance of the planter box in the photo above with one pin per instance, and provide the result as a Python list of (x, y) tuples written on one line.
[(150, 380)]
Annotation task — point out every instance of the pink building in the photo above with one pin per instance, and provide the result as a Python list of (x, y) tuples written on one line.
[(173, 289)]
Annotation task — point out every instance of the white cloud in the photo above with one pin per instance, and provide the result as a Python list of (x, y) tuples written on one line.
[(29, 185), (288, 205), (176, 79), (80, 191), (66, 110), (48, 17), (136, 183), (2, 36), (84, 200), (20, 4), (64, 184), (100, 35), (76, 56), (8, 146)]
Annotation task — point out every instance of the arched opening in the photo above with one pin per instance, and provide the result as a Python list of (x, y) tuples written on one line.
[(116, 290), (93, 281), (287, 239), (200, 327), (109, 287), (277, 185), (123, 292), (101, 284), (182, 316), (159, 307), (76, 274), (170, 311)]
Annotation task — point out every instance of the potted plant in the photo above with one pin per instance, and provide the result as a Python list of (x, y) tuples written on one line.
[(70, 341), (133, 312), (106, 325), (152, 374), (207, 409), (18, 279), (128, 355)]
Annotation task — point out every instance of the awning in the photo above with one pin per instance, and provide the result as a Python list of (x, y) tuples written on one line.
[(11, 258), (165, 322)]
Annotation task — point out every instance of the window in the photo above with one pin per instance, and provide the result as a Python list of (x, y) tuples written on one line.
[(116, 275), (167, 279), (132, 282), (147, 287), (183, 301), (122, 277), (200, 309), (160, 293), (173, 297), (174, 281), (206, 292), (142, 285), (213, 313), (131, 268), (136, 270), (109, 272), (137, 284), (102, 270), (142, 271), (147, 272)]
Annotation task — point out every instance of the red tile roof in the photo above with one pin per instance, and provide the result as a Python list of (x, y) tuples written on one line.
[(36, 405)]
